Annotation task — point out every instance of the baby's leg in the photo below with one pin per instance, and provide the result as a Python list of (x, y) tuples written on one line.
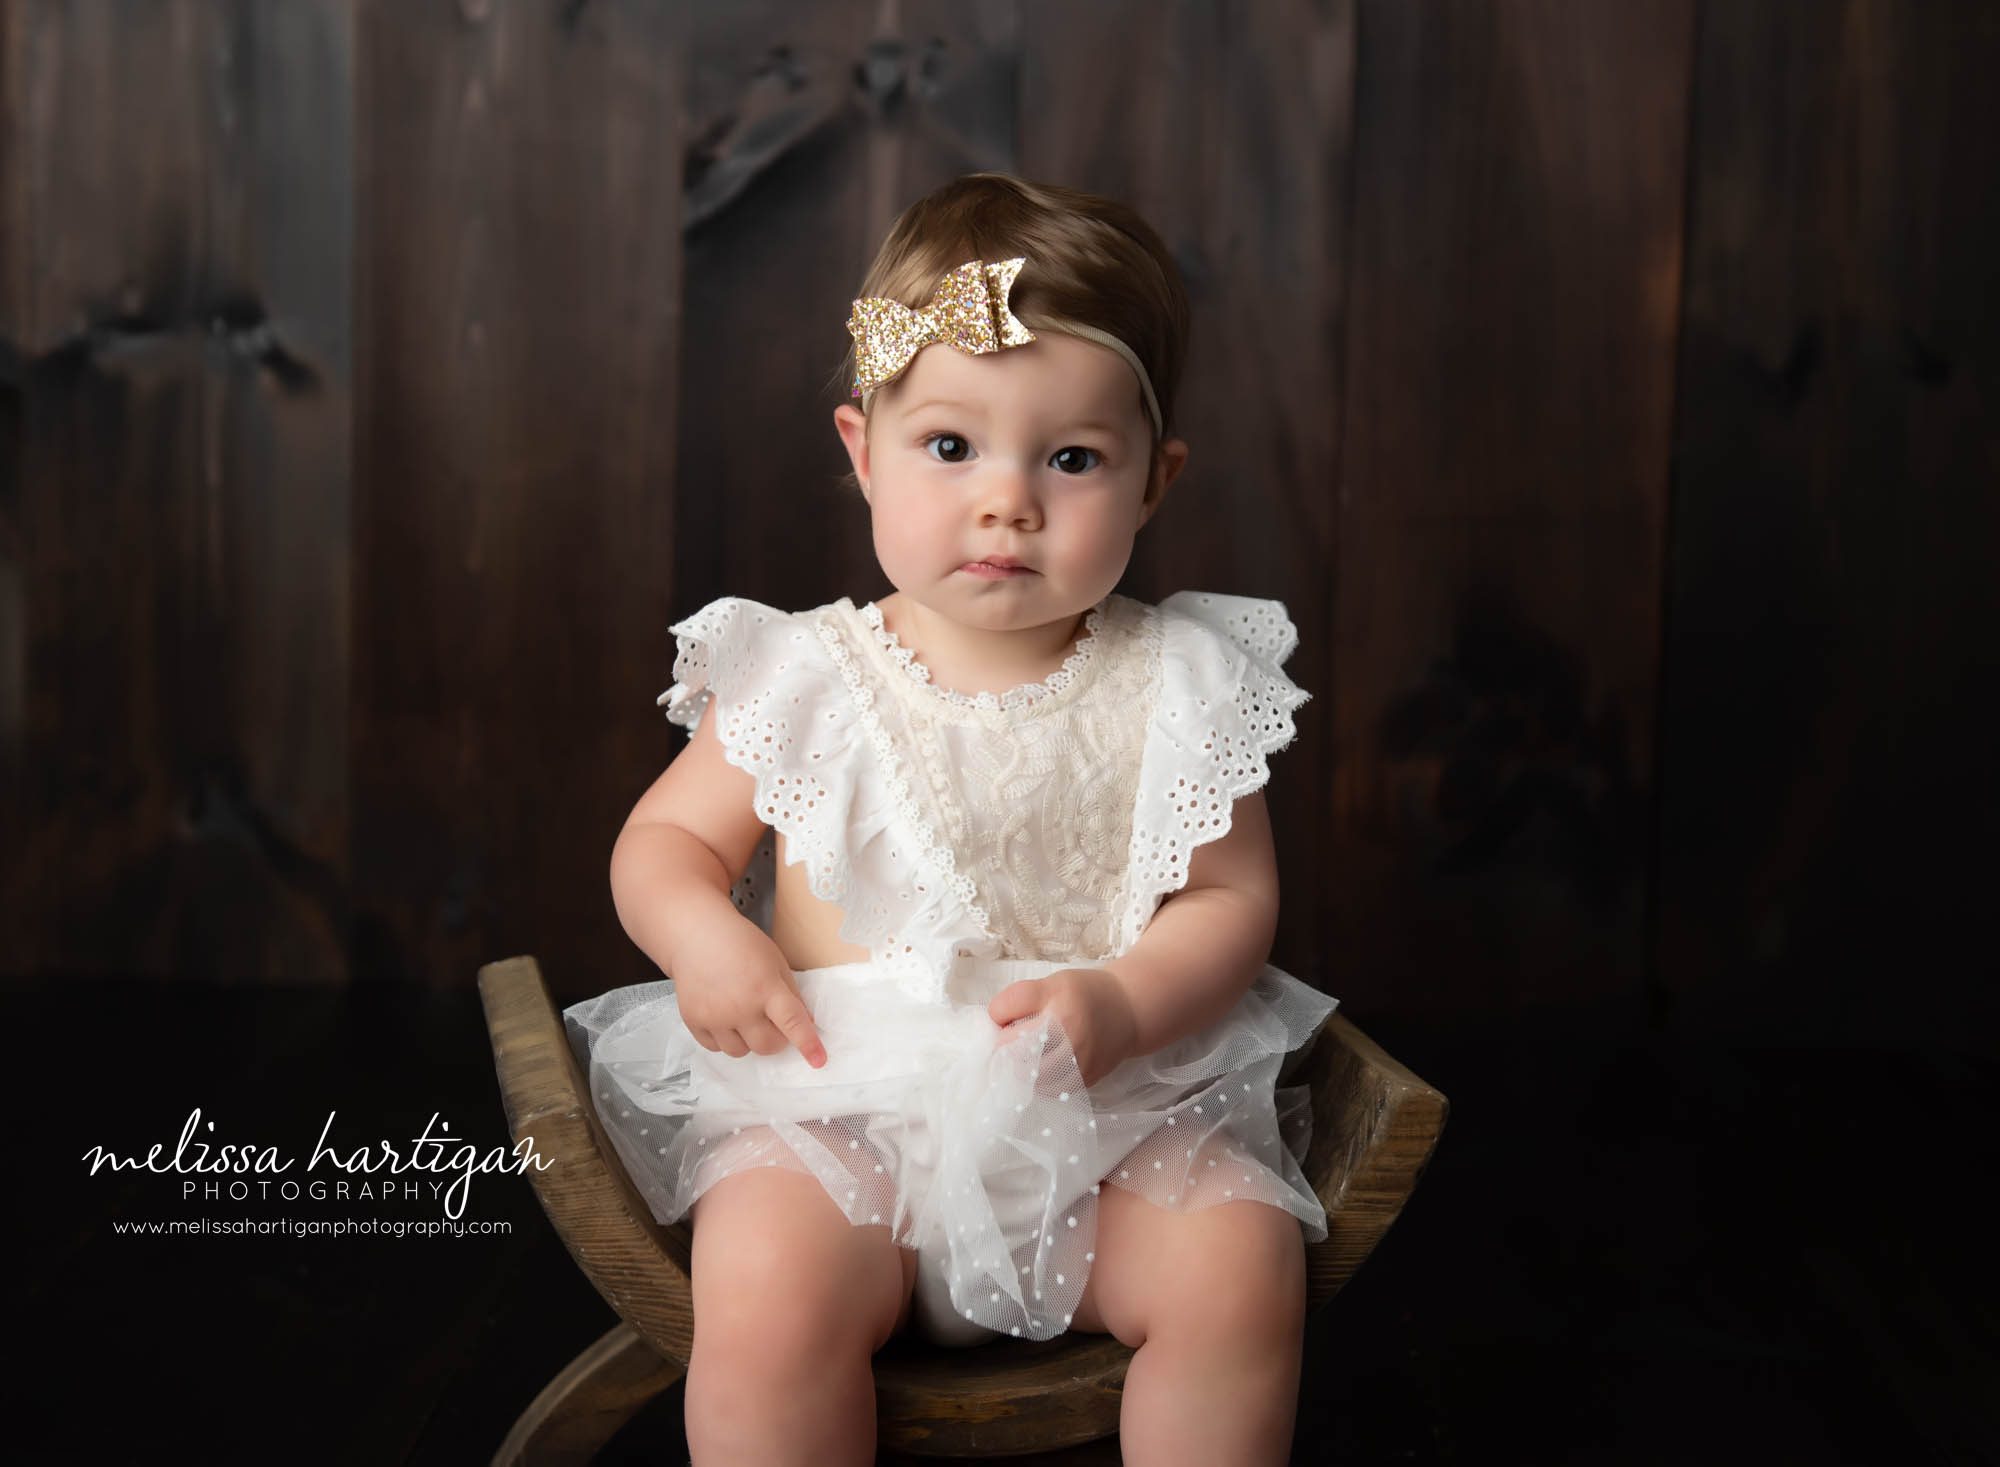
[(1214, 1302), (790, 1302)]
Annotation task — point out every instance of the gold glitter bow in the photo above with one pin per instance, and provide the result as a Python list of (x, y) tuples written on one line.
[(968, 310)]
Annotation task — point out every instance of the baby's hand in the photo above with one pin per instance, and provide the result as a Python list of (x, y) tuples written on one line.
[(736, 994), (1094, 1010)]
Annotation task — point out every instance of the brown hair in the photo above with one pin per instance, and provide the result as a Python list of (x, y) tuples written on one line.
[(1090, 259)]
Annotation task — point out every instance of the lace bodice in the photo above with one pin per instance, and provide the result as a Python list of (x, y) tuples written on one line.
[(1044, 822), (1030, 791)]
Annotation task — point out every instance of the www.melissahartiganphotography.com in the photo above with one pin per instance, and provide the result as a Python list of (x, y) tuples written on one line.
[(311, 1227)]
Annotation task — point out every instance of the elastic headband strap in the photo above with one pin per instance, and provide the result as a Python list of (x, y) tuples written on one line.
[(1102, 338)]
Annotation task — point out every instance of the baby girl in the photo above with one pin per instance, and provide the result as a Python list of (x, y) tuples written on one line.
[(966, 894)]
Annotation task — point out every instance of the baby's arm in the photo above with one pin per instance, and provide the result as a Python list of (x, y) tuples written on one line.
[(672, 867), (1209, 940), (1197, 956)]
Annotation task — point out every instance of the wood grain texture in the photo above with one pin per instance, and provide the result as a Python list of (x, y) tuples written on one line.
[(1517, 235), (1374, 1127), (174, 548), (518, 310), (1831, 802), (638, 1266)]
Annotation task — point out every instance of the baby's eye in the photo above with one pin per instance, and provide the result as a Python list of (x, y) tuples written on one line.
[(1069, 459), (955, 447)]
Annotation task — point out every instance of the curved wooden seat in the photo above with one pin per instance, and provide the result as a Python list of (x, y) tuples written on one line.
[(1375, 1125)]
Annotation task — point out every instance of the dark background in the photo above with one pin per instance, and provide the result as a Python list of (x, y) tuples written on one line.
[(1608, 390)]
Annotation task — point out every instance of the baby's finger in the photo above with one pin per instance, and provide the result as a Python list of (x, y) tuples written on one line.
[(1017, 1000), (702, 1037), (732, 1043), (763, 1036), (788, 1011)]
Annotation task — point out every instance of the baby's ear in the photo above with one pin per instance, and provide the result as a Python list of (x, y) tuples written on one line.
[(852, 427), (1169, 458)]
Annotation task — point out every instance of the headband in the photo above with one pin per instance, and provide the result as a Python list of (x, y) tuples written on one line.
[(968, 310)]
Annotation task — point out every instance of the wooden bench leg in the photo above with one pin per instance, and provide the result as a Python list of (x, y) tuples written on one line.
[(583, 1407)]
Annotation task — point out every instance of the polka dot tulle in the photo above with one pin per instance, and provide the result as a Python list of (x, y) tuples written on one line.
[(978, 1147)]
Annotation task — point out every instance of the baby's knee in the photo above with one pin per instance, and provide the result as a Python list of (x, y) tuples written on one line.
[(780, 1369), (779, 1319), (778, 1273), (1248, 1283)]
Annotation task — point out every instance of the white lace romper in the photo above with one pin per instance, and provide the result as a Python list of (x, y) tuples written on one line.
[(971, 840)]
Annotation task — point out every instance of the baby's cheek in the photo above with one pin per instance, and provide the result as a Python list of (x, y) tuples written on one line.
[(909, 538), (1100, 545)]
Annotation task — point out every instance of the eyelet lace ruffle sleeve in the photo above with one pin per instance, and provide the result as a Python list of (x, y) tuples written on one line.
[(790, 716), (782, 718), (1224, 706)]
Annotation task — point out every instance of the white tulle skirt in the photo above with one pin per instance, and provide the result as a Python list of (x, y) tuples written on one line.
[(979, 1148)]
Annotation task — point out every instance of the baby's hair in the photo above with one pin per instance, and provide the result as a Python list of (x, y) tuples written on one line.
[(1090, 259)]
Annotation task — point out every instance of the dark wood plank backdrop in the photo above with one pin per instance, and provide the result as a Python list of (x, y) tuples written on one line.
[(176, 488), (1608, 390), (518, 288), (1514, 267), (1830, 813)]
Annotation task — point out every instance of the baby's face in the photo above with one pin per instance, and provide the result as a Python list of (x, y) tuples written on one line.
[(1042, 453)]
